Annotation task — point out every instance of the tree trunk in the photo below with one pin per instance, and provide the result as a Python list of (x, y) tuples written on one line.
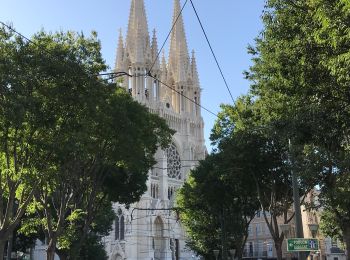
[(51, 248), (2, 248), (346, 233), (63, 257), (239, 253), (62, 254), (278, 247), (9, 246)]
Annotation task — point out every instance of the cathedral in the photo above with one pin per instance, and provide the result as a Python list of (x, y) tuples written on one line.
[(151, 229)]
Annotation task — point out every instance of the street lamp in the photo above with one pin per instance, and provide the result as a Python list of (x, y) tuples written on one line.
[(313, 228), (285, 228), (216, 253), (232, 253)]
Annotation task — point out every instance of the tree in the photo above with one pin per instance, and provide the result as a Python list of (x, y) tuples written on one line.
[(81, 141), (300, 74), (216, 207), (329, 225), (107, 140), (21, 126), (70, 244), (256, 148)]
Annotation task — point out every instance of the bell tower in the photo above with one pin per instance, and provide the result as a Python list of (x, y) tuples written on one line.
[(152, 230)]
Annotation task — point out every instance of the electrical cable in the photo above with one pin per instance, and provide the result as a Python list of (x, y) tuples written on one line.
[(166, 39), (116, 73), (44, 50), (111, 75), (212, 51), (181, 94)]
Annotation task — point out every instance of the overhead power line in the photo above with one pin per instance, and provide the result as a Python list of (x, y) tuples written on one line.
[(212, 51), (115, 74), (166, 39), (43, 50), (181, 94), (16, 32)]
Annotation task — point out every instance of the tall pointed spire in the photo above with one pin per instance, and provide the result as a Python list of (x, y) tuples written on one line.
[(178, 55), (154, 51), (119, 61), (137, 39), (195, 77), (164, 68)]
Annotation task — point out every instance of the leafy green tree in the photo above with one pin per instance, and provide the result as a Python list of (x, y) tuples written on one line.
[(68, 138), (329, 225), (22, 124), (107, 140), (216, 207), (300, 76), (93, 249), (70, 244), (254, 146)]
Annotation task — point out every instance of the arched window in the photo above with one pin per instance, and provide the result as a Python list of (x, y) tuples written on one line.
[(158, 240), (174, 162), (119, 226), (122, 228)]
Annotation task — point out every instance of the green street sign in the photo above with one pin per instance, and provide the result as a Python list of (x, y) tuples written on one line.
[(302, 244)]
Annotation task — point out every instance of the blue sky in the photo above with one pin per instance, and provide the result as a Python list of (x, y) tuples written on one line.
[(230, 24)]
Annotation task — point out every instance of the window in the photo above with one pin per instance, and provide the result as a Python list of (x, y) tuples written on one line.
[(154, 191), (257, 229), (173, 162), (267, 231), (249, 230), (119, 226), (182, 101), (251, 249), (171, 192), (195, 104), (260, 246), (270, 248)]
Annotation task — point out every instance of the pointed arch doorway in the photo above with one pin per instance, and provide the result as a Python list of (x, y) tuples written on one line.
[(159, 242)]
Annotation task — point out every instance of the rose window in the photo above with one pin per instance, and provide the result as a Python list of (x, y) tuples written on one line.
[(174, 162)]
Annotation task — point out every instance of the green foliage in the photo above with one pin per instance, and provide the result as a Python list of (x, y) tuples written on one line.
[(93, 249), (216, 206), (67, 137), (329, 227), (300, 77)]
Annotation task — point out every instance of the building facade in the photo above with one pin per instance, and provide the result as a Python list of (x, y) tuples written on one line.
[(169, 87), (260, 244)]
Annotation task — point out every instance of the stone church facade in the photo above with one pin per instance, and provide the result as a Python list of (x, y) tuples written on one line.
[(150, 229)]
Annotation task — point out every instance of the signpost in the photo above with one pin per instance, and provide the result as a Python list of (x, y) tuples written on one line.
[(302, 244)]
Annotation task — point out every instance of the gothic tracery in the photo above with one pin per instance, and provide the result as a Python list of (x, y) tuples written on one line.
[(173, 162)]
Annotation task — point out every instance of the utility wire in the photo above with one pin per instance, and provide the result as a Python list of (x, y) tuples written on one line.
[(18, 33), (43, 50), (117, 74), (212, 51), (178, 92), (166, 39), (111, 75)]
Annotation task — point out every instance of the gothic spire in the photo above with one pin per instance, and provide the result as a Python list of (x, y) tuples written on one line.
[(194, 70), (137, 39), (154, 51), (178, 55), (164, 68), (119, 61)]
